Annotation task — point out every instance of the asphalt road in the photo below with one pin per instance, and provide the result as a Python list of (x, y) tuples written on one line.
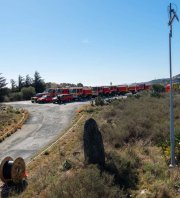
[(45, 124)]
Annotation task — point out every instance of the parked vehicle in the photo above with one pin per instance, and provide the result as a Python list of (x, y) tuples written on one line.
[(50, 92), (113, 90), (106, 91), (55, 99), (45, 99), (38, 95), (62, 98), (76, 92), (87, 92), (59, 91), (122, 89), (81, 93), (133, 88), (175, 87), (97, 91)]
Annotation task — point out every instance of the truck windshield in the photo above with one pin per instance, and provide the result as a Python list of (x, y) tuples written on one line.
[(72, 90), (59, 91)]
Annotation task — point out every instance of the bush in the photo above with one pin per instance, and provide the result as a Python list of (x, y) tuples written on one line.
[(87, 183), (158, 88), (17, 96), (156, 95), (28, 92), (124, 168), (6, 99), (131, 120), (99, 101)]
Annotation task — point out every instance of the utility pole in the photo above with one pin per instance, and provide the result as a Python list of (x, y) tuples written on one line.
[(172, 16)]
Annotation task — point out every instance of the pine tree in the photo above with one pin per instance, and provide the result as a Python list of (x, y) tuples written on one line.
[(28, 81), (39, 84), (13, 85), (20, 82), (2, 81)]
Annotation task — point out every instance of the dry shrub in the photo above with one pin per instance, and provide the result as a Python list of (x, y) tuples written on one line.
[(86, 183), (134, 119), (124, 168)]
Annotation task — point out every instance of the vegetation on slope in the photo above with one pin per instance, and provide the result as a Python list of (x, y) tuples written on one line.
[(136, 139), (10, 120)]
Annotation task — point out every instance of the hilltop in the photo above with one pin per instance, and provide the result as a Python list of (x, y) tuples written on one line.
[(164, 81)]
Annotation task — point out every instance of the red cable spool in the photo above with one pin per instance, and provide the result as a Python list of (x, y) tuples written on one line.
[(12, 171)]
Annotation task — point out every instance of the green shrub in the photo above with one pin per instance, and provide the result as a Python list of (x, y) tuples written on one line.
[(124, 168), (99, 101), (158, 88), (17, 96), (28, 92), (6, 99)]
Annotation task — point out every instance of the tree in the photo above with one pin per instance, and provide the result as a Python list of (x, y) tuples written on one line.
[(2, 81), (79, 85), (13, 85), (3, 89), (38, 84), (20, 82), (27, 92), (28, 81)]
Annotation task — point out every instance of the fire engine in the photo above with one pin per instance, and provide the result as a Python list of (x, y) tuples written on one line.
[(80, 93)]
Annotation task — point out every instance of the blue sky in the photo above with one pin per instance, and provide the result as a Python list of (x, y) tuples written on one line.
[(90, 41)]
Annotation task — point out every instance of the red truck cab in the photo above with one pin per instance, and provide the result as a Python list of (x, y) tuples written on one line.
[(113, 90), (77, 92), (97, 91), (51, 92), (122, 89), (59, 91), (87, 92), (106, 91), (133, 88)]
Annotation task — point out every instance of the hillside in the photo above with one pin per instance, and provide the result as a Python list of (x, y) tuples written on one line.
[(136, 145), (176, 79)]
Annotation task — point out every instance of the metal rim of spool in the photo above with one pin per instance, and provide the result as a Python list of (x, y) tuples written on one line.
[(2, 165), (18, 169)]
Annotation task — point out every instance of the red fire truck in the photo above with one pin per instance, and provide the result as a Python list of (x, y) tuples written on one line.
[(87, 92), (113, 90), (59, 91), (106, 91), (77, 92), (122, 89), (97, 91), (133, 88)]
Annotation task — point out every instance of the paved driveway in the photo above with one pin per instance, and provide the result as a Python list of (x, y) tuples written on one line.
[(46, 123)]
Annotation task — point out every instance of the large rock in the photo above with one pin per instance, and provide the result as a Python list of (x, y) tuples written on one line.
[(93, 144)]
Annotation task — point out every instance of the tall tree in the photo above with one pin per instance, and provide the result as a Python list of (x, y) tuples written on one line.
[(2, 81), (79, 85), (20, 82), (39, 84), (13, 85), (28, 81), (3, 89)]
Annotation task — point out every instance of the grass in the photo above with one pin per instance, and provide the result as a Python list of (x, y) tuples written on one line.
[(134, 133), (10, 120)]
